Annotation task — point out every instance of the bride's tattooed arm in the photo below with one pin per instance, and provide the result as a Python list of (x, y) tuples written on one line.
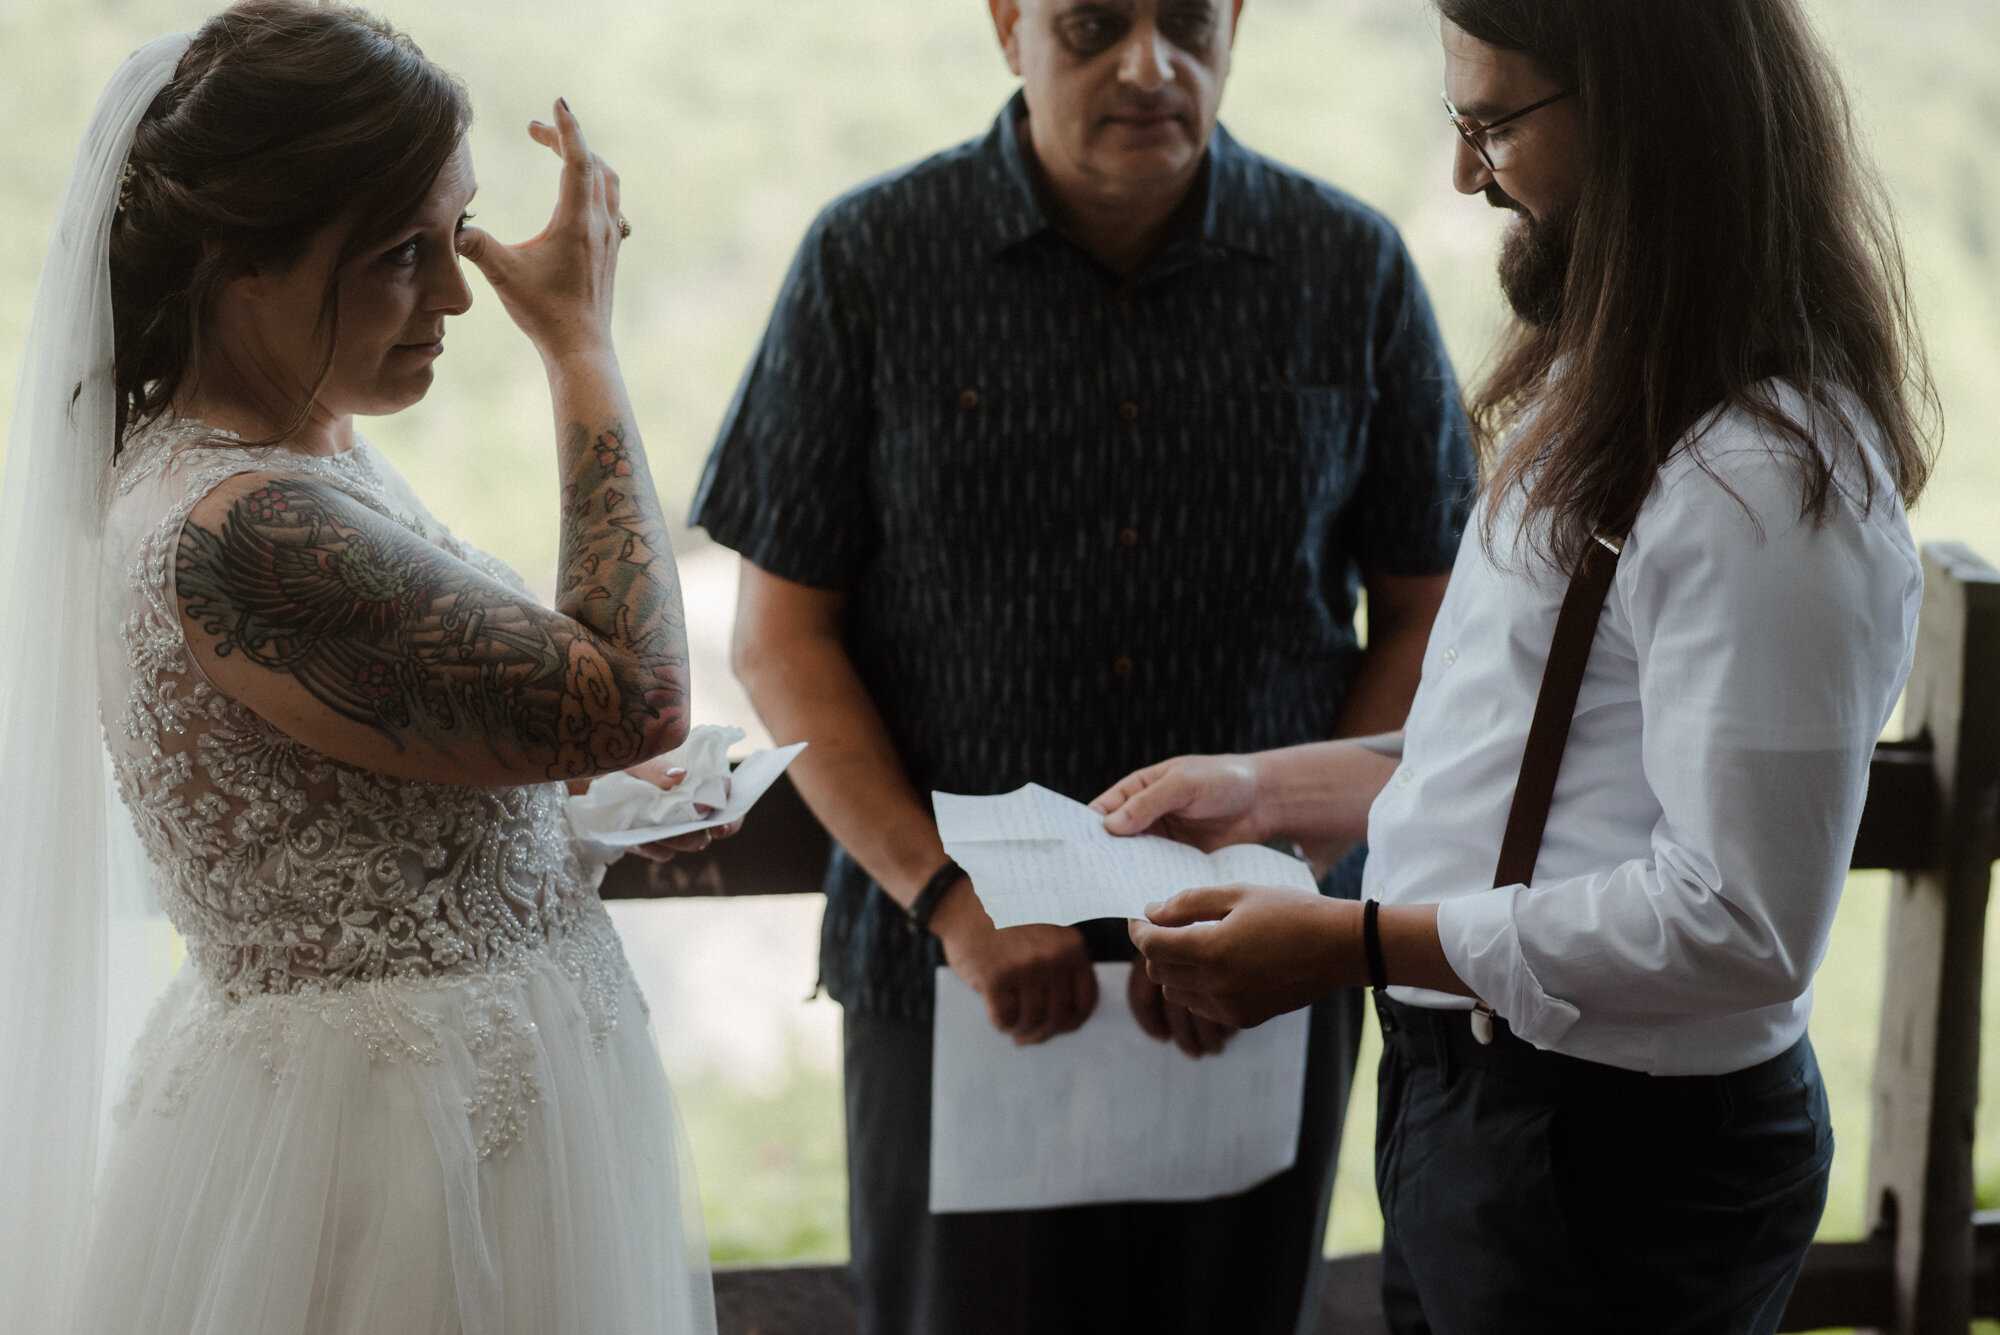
[(361, 639)]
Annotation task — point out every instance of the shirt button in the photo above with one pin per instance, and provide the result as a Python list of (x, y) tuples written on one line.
[(1403, 778), (969, 400), (1128, 537), (1129, 411), (1450, 657), (1123, 667)]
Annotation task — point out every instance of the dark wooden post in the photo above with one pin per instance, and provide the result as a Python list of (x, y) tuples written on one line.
[(1927, 1059)]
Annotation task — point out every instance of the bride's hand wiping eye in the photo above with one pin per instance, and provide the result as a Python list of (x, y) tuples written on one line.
[(557, 286)]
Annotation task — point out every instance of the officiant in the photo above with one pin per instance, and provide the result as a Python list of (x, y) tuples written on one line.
[(1065, 449)]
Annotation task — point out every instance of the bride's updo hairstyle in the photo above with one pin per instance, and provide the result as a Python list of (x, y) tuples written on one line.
[(283, 118)]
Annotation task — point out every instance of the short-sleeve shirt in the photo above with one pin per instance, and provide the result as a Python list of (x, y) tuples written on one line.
[(1086, 521)]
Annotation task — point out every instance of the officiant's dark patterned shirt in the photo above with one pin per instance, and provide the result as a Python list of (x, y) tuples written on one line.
[(1086, 522)]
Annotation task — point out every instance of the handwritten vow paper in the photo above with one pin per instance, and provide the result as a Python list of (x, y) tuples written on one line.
[(1037, 856), (1106, 1113)]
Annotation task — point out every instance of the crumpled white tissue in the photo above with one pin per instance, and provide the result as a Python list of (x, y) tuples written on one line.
[(616, 802)]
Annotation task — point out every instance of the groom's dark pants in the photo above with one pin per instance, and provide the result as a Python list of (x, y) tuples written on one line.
[(1523, 1191)]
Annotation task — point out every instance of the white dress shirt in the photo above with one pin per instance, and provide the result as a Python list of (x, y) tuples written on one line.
[(1745, 664)]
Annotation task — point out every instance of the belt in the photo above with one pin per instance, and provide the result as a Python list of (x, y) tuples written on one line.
[(1427, 1036)]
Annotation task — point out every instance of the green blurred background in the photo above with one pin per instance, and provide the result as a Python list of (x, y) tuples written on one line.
[(731, 123)]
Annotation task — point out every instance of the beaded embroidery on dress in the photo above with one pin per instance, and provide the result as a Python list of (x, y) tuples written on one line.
[(357, 942)]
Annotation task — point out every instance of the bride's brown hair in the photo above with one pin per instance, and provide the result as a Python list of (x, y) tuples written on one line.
[(283, 117), (1729, 233)]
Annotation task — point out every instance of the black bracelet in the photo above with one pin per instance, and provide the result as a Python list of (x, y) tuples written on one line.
[(918, 916), (1371, 944)]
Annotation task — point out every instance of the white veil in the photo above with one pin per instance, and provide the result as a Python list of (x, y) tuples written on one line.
[(56, 866)]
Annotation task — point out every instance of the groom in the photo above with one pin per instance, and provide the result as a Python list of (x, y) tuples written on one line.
[(1067, 449)]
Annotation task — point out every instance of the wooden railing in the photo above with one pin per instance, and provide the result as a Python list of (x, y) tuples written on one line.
[(1929, 1264)]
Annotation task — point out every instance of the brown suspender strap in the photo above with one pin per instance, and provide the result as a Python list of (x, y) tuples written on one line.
[(1576, 627)]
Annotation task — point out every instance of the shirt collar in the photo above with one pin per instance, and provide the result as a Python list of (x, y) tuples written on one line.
[(1236, 214)]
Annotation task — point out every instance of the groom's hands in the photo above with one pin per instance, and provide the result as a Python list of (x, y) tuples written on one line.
[(1037, 981), (1240, 954), (1207, 801)]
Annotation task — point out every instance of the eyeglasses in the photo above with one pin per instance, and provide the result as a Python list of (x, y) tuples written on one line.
[(1474, 133)]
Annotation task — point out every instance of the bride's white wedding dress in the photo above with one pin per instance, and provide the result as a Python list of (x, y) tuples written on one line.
[(404, 1081)]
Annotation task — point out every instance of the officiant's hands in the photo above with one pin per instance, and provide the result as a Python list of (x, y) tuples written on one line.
[(1170, 1021), (557, 285), (1037, 980)]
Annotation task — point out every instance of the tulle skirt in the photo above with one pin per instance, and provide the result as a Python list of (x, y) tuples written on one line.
[(492, 1153)]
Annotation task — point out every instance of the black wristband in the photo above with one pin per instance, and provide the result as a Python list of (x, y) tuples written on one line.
[(918, 915), (1371, 944)]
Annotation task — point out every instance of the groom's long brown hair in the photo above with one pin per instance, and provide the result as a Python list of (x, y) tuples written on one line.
[(1729, 231)]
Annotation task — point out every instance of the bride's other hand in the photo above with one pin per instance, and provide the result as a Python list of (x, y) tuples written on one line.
[(557, 285), (659, 773), (665, 850)]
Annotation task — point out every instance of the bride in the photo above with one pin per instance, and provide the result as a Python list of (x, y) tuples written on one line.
[(404, 1082)]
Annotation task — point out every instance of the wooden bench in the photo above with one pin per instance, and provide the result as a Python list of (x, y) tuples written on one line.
[(1929, 1264)]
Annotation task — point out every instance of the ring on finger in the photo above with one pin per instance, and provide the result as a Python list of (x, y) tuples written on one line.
[(624, 229)]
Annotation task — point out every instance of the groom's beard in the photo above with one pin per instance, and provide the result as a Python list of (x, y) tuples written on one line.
[(1534, 262)]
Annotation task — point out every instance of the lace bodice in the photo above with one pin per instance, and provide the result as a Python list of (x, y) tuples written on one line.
[(283, 868)]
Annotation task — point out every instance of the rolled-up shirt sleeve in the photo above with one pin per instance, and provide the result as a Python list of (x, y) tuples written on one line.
[(1770, 650)]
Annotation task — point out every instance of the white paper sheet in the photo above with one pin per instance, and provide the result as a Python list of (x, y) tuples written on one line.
[(1037, 856), (751, 779), (1106, 1113)]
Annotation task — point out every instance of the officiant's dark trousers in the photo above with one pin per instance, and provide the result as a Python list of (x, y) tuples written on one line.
[(1524, 1191), (1248, 1264), (1242, 1265)]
